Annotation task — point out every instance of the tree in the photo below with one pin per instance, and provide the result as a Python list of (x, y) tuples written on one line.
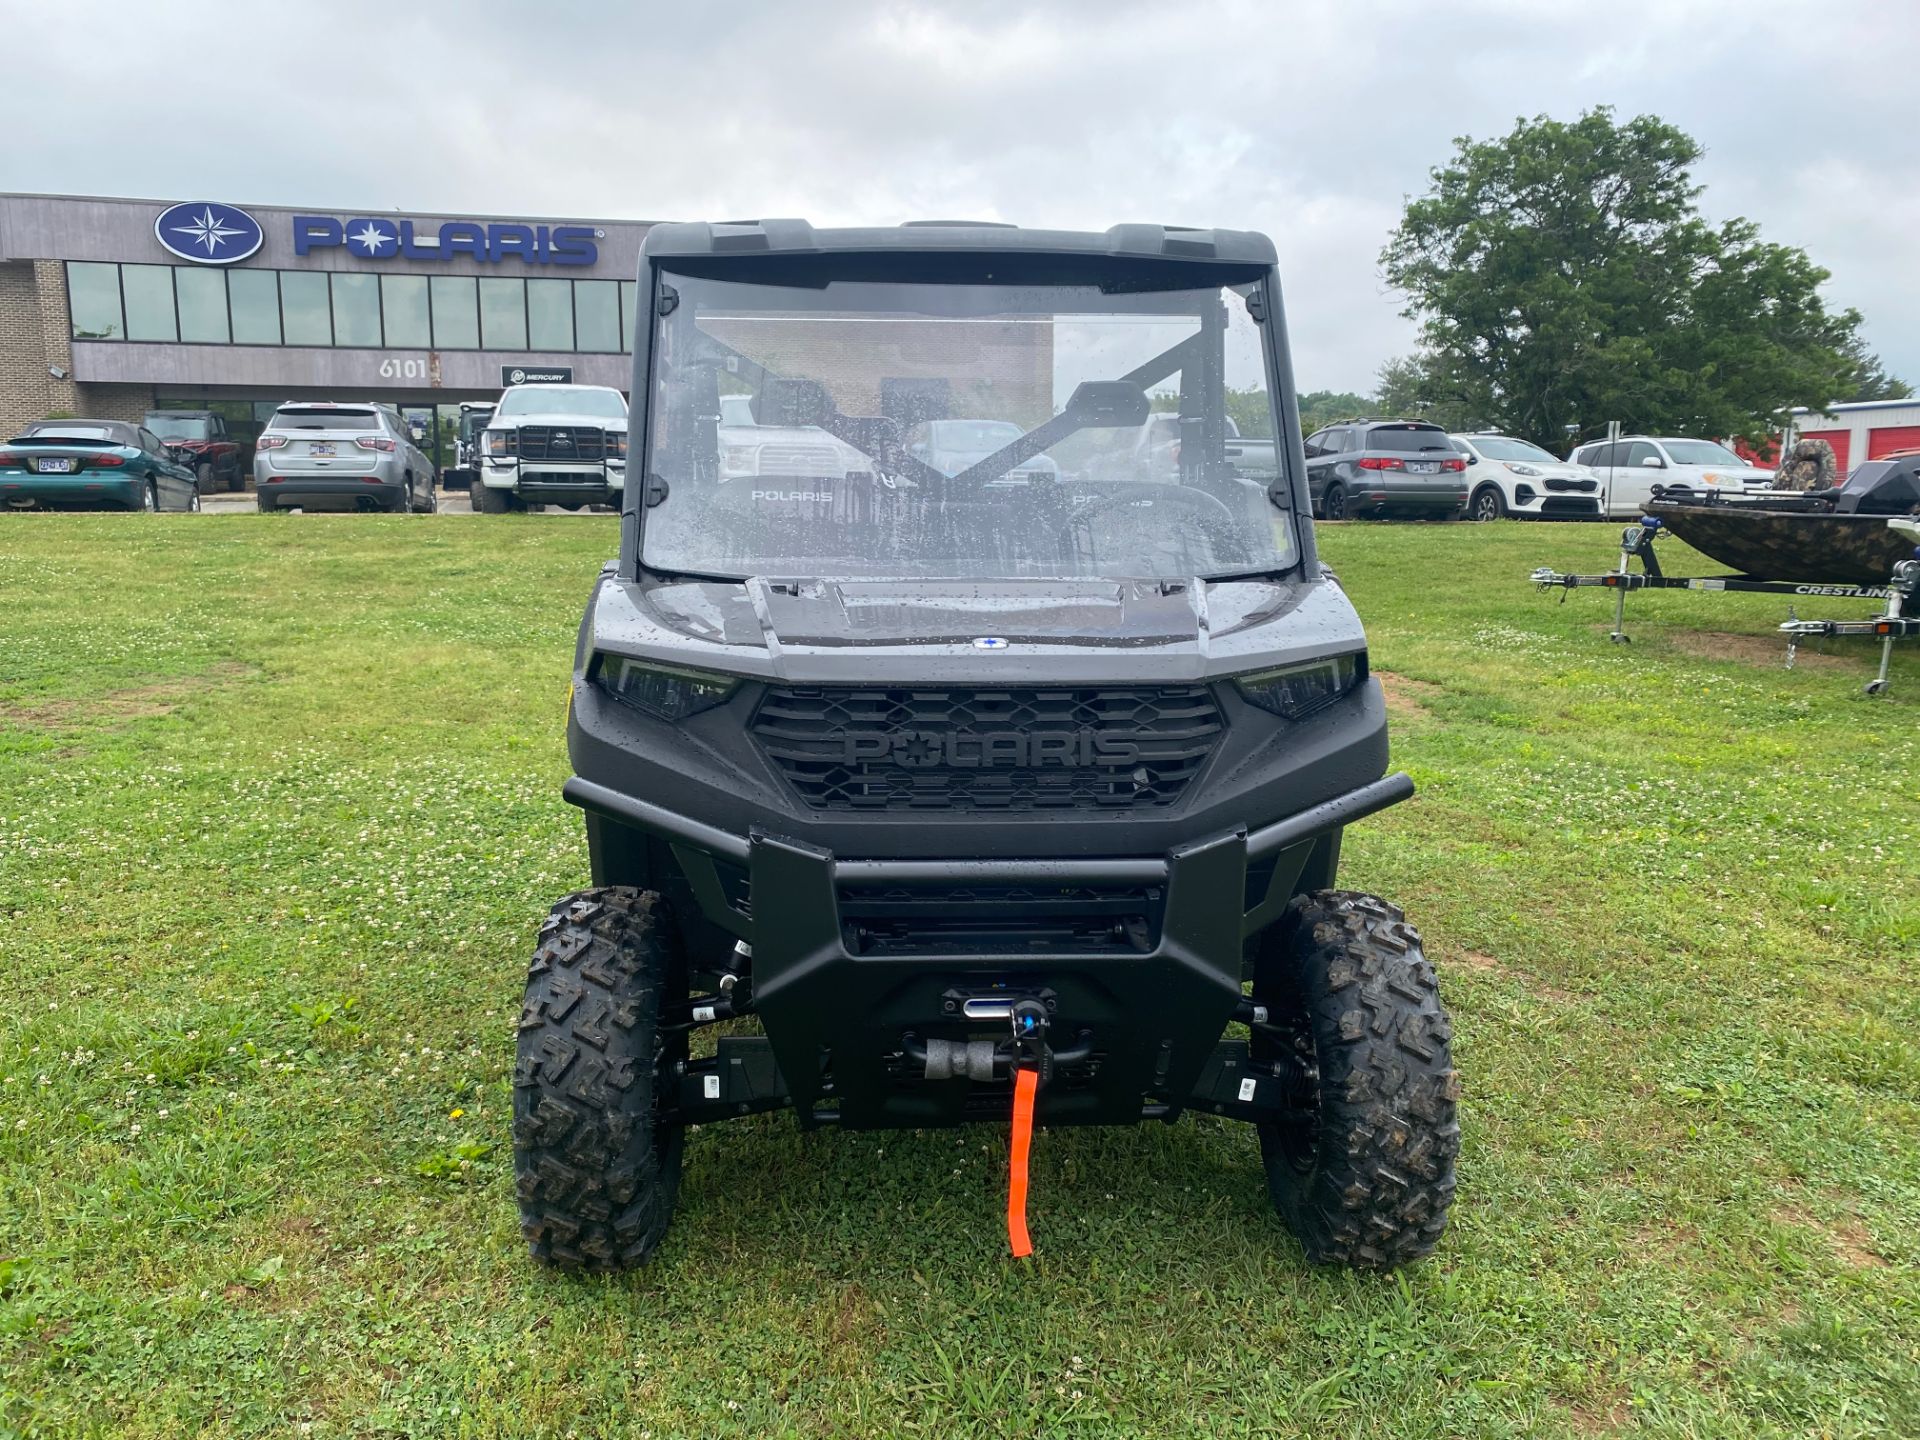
[(1564, 275), (1871, 380), (1250, 410), (1323, 407), (1412, 388)]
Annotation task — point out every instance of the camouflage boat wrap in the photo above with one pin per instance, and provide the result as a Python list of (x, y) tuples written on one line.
[(1779, 540)]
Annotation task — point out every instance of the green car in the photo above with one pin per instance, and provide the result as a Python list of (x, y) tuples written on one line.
[(93, 465)]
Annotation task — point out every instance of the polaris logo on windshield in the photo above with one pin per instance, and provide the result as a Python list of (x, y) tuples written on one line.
[(989, 749), (814, 497)]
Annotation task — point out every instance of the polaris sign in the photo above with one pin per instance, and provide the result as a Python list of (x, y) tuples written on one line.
[(371, 238), (208, 233)]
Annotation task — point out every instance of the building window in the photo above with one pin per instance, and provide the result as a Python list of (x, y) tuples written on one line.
[(503, 314), (550, 314), (203, 306), (254, 297), (403, 310), (456, 314), (596, 314), (356, 310), (93, 301), (148, 292), (305, 313)]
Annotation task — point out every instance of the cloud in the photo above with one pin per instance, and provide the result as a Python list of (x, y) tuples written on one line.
[(1311, 121)]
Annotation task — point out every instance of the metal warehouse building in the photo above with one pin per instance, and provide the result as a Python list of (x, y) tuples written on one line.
[(1864, 430), (111, 308)]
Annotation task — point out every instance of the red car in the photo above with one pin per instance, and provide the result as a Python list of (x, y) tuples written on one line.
[(199, 439)]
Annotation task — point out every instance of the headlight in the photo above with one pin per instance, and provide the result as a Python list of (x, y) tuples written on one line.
[(1297, 691), (616, 444), (502, 442), (662, 690), (1523, 469)]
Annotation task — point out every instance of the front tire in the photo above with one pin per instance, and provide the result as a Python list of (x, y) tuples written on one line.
[(596, 1171), (1487, 504), (1364, 1172), (486, 500)]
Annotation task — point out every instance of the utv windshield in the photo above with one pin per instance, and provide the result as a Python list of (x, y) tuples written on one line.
[(918, 430)]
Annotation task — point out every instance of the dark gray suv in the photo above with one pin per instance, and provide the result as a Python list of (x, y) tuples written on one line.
[(1376, 468)]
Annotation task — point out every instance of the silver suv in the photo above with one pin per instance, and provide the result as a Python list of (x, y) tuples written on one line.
[(1385, 467), (317, 455)]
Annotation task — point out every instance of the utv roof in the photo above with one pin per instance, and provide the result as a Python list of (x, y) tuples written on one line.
[(764, 237)]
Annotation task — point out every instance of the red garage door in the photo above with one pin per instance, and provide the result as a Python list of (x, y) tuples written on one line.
[(1837, 439), (1893, 437)]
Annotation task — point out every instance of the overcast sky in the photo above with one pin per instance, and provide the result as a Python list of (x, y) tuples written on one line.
[(1311, 122)]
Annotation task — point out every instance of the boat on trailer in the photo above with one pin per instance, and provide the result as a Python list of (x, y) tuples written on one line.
[(1834, 536)]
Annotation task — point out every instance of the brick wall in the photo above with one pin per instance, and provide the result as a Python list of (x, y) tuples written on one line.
[(114, 402), (23, 358), (35, 337)]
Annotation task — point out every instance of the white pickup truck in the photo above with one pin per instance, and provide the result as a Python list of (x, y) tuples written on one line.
[(553, 445)]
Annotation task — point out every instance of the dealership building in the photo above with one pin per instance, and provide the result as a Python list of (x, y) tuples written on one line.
[(111, 308)]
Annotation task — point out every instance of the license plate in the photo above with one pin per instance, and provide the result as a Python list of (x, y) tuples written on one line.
[(320, 447), (54, 465), (1423, 467)]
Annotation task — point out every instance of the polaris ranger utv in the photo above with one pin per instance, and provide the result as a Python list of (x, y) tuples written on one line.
[(916, 798)]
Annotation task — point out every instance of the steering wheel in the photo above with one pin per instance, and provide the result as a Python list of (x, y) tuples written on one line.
[(1207, 511)]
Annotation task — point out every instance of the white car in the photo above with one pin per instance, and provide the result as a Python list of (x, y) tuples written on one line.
[(1509, 477), (1630, 467), (553, 445)]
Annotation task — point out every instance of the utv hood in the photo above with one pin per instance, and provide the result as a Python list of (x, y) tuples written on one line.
[(889, 631)]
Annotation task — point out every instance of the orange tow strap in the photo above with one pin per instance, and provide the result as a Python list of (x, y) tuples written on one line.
[(1025, 1083)]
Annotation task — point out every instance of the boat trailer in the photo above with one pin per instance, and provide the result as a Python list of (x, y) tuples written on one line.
[(1901, 620)]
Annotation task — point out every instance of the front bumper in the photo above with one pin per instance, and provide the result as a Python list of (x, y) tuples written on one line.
[(556, 482), (844, 1006), (23, 491)]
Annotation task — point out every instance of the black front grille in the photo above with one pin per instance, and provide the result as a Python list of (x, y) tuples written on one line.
[(562, 442), (996, 750), (1568, 505), (1584, 487), (1000, 919)]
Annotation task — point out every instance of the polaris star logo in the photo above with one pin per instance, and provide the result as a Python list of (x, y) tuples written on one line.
[(208, 233), (988, 749), (989, 642)]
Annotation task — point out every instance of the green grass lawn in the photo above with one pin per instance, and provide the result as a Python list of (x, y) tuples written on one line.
[(280, 810)]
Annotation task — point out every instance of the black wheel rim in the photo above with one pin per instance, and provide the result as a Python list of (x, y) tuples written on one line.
[(1336, 505)]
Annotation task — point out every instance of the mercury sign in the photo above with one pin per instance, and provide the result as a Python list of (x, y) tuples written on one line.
[(383, 239)]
